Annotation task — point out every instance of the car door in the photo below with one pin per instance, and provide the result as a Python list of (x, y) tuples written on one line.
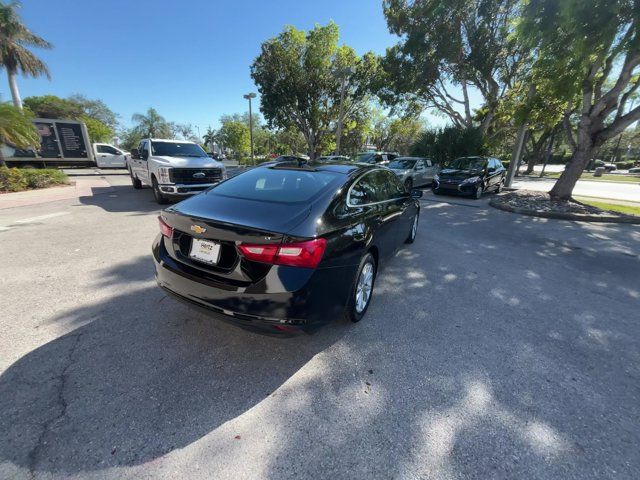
[(430, 170), (107, 156), (143, 169), (494, 174), (399, 215), (420, 173), (369, 198)]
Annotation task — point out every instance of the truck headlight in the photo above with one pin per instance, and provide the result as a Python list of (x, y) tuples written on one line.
[(164, 175), (436, 177), (224, 173)]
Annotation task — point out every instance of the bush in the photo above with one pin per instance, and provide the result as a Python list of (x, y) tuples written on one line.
[(16, 180), (624, 165), (11, 180)]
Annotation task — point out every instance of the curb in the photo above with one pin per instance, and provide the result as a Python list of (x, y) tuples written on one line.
[(495, 203)]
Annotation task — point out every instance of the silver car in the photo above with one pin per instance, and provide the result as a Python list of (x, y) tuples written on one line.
[(414, 171)]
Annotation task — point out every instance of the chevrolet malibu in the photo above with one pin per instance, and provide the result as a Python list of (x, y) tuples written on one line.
[(287, 246)]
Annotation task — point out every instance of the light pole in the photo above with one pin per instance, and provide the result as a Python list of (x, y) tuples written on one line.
[(249, 96), (344, 73)]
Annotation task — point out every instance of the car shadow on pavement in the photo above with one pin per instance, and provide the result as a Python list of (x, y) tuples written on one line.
[(138, 376), (122, 198)]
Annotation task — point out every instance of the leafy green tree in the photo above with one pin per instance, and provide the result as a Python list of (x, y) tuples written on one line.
[(299, 80), (235, 136), (588, 53), (186, 131), (396, 133), (96, 109), (16, 129), (15, 38), (289, 141), (130, 138), (152, 125), (446, 47), (209, 138), (446, 144), (98, 131), (51, 106)]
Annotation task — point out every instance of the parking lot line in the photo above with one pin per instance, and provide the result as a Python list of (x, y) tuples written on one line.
[(22, 221), (41, 217)]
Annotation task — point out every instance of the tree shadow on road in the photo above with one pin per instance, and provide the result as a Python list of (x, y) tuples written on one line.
[(140, 377), (461, 368)]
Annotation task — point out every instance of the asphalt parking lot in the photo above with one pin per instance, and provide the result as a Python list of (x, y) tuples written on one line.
[(496, 346)]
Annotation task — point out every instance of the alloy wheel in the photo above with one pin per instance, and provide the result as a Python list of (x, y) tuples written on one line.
[(364, 287)]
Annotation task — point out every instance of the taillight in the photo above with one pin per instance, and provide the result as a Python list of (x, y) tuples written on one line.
[(165, 229), (302, 254)]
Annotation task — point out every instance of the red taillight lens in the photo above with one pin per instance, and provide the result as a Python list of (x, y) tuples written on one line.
[(302, 254), (165, 229)]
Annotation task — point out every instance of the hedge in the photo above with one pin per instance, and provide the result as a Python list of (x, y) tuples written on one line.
[(625, 165), (16, 180)]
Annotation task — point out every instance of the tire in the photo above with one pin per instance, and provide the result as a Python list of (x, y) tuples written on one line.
[(157, 194), (356, 309), (137, 184), (408, 183), (478, 192), (414, 230)]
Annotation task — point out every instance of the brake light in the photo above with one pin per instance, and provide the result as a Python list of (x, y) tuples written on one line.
[(301, 254), (165, 229)]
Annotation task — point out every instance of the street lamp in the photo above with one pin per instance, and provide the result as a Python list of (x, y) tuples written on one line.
[(249, 96), (344, 73)]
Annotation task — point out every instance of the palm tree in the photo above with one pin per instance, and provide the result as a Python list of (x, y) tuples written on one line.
[(152, 124), (16, 129), (14, 55)]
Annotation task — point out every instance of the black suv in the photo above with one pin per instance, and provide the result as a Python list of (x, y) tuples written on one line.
[(470, 176)]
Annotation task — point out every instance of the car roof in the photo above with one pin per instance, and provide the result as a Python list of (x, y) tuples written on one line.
[(166, 140), (347, 168)]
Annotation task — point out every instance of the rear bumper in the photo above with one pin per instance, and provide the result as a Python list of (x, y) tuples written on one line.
[(286, 300)]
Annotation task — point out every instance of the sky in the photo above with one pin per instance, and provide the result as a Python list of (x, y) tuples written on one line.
[(190, 59)]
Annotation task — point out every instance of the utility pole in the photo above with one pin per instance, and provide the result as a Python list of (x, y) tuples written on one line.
[(344, 73), (249, 96)]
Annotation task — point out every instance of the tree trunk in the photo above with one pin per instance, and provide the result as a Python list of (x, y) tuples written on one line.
[(13, 86), (547, 154), (567, 181), (515, 158), (2, 162)]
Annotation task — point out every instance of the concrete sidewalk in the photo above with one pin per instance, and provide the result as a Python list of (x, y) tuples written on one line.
[(80, 187), (627, 192)]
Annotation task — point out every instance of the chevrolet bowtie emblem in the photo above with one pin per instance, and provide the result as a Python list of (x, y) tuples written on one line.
[(198, 229)]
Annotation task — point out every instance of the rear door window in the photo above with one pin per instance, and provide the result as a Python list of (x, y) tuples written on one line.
[(277, 185), (376, 186)]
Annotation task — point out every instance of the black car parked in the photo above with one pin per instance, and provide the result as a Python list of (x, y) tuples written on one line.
[(470, 176), (286, 246)]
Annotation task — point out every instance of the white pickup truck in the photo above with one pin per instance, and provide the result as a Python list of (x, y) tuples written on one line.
[(173, 168)]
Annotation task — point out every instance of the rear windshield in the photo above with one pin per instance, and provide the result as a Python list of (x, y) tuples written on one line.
[(276, 185)]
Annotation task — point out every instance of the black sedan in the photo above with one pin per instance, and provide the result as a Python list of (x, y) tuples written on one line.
[(286, 246), (470, 176)]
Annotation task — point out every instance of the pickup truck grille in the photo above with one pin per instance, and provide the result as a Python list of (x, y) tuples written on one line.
[(186, 175)]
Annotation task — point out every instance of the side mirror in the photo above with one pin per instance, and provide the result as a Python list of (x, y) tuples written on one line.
[(135, 153), (415, 193)]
